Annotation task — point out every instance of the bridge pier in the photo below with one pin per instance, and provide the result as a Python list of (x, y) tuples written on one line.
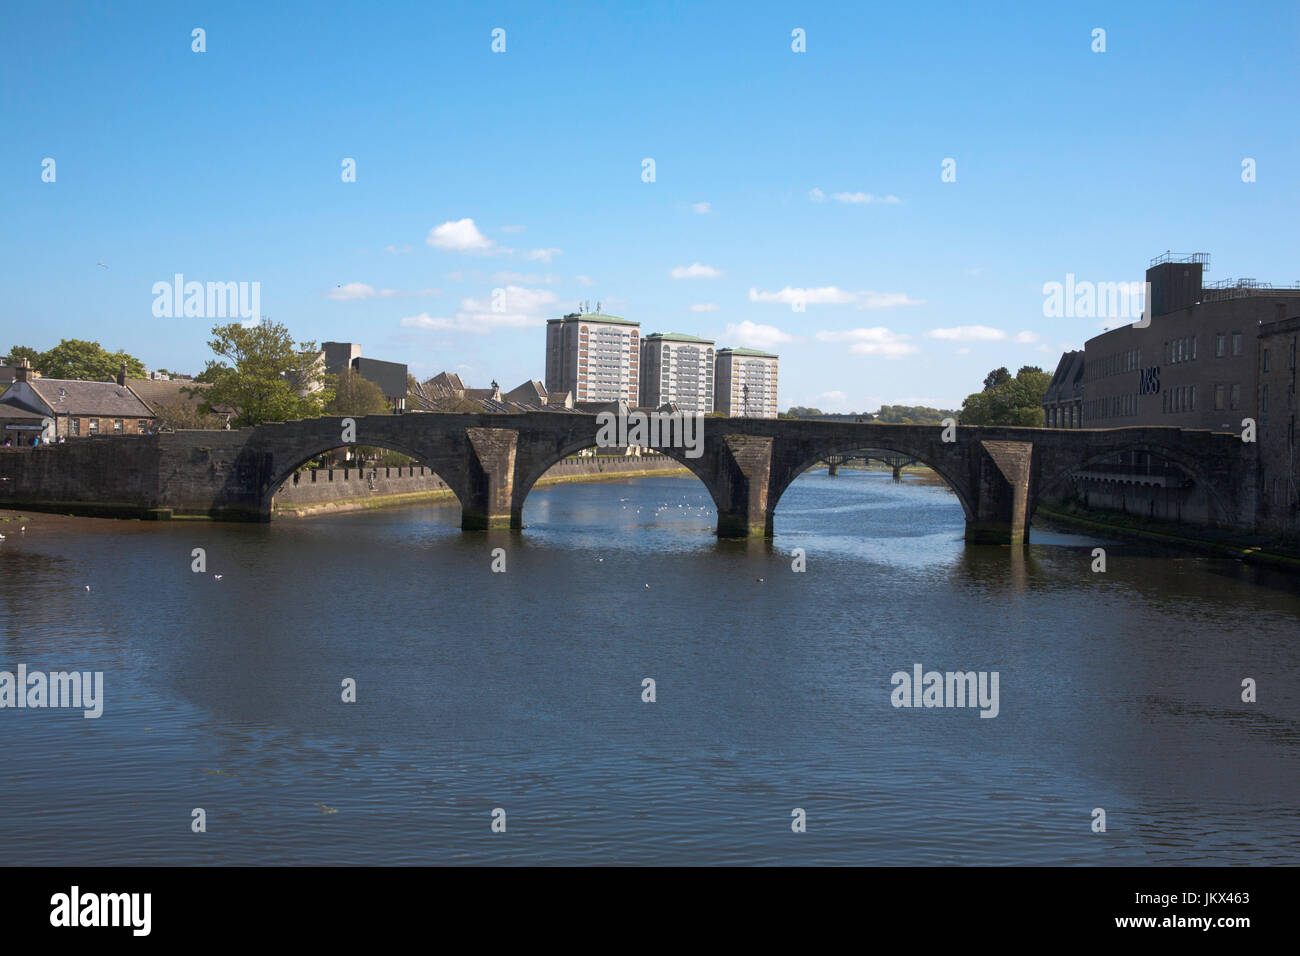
[(1002, 503), (491, 472), (833, 468), (744, 469), (898, 472)]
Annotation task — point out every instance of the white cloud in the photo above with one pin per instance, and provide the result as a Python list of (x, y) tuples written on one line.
[(583, 280), (1027, 338), (360, 291), (695, 271), (874, 341), (543, 255), (816, 195), (838, 397), (702, 207), (524, 308), (885, 300), (512, 228), (964, 350), (461, 236), (825, 294), (860, 199), (757, 336), (705, 307), (968, 333), (397, 249), (353, 291), (834, 295)]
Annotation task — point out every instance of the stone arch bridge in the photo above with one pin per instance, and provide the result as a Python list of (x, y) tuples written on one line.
[(491, 462)]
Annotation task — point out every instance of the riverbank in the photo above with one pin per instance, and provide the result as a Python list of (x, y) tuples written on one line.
[(1255, 550), (332, 491)]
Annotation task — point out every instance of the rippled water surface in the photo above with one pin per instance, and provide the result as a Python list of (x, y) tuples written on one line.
[(522, 690)]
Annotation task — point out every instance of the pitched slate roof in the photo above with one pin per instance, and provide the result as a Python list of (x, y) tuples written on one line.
[(74, 397), (154, 392)]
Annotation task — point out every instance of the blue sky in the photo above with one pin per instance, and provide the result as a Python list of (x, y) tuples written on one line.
[(774, 171)]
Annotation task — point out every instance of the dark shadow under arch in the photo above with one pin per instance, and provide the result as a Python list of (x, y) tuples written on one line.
[(1048, 484)]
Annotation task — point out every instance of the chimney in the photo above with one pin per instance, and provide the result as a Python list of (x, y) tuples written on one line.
[(23, 371), (121, 375)]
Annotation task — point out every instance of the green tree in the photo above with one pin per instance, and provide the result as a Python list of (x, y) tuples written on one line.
[(999, 376), (89, 361), (20, 352), (356, 396), (1008, 401), (256, 373)]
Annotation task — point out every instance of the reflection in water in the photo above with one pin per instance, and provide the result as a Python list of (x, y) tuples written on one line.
[(478, 689)]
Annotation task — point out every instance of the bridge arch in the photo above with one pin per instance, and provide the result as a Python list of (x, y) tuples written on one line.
[(287, 463), (952, 478), (1059, 477), (530, 471)]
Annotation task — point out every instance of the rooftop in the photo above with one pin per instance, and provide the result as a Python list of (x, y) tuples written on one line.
[(749, 352), (595, 317), (677, 337)]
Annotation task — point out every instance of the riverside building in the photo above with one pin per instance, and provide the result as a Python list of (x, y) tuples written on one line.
[(1207, 355), (677, 369), (595, 356), (745, 383)]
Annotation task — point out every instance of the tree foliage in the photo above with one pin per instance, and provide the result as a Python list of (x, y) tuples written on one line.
[(79, 359), (1008, 401), (356, 396), (261, 374)]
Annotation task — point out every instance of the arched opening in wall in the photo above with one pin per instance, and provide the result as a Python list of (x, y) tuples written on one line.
[(607, 494), (346, 477), (1141, 481), (872, 494)]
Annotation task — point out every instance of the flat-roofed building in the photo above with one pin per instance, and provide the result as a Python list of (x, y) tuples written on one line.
[(677, 369), (595, 356), (1195, 364), (745, 383)]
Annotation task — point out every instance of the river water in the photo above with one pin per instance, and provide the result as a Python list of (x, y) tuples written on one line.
[(522, 690)]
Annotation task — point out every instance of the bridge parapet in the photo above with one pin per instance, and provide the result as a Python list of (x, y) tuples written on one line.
[(491, 462)]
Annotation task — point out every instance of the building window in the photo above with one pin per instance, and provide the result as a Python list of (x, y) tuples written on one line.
[(140, 425), (1236, 343), (1236, 396), (1263, 399), (117, 426), (1193, 347), (1218, 397), (1218, 345), (1265, 360), (1192, 397), (92, 426), (76, 428)]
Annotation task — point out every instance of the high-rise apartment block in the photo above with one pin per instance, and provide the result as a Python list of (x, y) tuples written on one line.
[(597, 357), (677, 369), (745, 383)]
